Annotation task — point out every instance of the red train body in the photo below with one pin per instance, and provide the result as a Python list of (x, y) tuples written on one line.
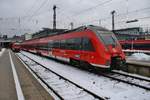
[(85, 45), (135, 44)]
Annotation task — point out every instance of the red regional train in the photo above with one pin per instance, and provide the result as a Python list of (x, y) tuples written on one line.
[(92, 45), (15, 47), (135, 44)]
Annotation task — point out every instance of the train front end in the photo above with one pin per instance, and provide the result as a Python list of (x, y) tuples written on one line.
[(109, 50)]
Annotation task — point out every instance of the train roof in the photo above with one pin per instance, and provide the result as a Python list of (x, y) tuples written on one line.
[(92, 27), (82, 28), (97, 28)]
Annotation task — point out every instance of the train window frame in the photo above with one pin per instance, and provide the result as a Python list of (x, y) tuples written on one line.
[(78, 43), (89, 44), (56, 44), (42, 46), (69, 44), (98, 33), (50, 45), (62, 44), (73, 44)]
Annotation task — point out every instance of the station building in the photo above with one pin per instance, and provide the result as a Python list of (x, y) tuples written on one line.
[(130, 33), (6, 42)]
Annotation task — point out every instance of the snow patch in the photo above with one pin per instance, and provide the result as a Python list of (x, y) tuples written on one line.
[(139, 56), (101, 86)]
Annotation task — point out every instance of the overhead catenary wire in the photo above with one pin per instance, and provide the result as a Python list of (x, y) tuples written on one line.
[(118, 15), (42, 4), (88, 9), (124, 21), (91, 8), (40, 12), (134, 11), (36, 14), (32, 7), (102, 19)]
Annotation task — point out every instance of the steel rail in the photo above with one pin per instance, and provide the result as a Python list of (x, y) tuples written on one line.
[(108, 76), (135, 77), (61, 98), (124, 81)]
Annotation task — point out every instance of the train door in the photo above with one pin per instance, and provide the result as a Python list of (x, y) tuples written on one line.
[(84, 53), (75, 47), (87, 49)]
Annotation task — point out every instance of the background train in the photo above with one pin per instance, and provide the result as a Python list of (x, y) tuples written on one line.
[(86, 45), (135, 44), (15, 47)]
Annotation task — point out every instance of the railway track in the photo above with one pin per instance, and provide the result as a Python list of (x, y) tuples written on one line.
[(129, 79), (126, 78), (132, 76), (63, 88)]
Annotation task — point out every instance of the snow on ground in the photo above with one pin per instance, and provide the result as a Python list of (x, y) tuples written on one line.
[(100, 85), (2, 51), (66, 89), (139, 56)]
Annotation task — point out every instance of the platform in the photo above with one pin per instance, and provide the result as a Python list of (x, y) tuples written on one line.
[(139, 67), (30, 87)]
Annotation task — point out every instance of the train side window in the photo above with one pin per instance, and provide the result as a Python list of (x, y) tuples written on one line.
[(77, 43), (87, 44), (56, 44), (63, 44), (69, 44), (43, 46), (50, 45), (73, 44)]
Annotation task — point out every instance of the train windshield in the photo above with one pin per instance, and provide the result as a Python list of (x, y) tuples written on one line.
[(107, 37)]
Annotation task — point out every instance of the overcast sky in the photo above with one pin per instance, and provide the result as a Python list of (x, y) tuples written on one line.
[(21, 16)]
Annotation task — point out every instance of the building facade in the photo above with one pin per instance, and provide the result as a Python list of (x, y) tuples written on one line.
[(130, 33), (46, 32)]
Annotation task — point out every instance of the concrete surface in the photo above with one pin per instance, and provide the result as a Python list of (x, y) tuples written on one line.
[(32, 89), (7, 85)]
